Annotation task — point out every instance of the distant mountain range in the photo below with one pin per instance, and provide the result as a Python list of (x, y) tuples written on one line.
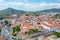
[(10, 11)]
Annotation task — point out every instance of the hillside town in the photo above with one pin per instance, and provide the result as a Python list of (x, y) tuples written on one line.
[(28, 27)]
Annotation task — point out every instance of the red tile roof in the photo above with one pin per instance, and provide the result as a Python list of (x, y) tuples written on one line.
[(27, 25), (58, 23), (2, 37)]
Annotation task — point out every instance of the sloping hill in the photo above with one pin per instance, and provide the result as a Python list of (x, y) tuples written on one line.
[(51, 10), (10, 11)]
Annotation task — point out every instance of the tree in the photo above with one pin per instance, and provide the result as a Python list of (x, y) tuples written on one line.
[(57, 34), (6, 22), (0, 29)]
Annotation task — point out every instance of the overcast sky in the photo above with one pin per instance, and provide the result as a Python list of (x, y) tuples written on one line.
[(29, 5)]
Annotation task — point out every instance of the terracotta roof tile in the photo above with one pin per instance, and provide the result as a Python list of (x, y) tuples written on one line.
[(27, 25)]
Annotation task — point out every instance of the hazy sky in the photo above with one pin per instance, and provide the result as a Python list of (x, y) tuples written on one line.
[(29, 5)]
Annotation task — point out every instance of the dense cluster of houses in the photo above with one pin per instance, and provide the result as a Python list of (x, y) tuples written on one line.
[(42, 22)]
